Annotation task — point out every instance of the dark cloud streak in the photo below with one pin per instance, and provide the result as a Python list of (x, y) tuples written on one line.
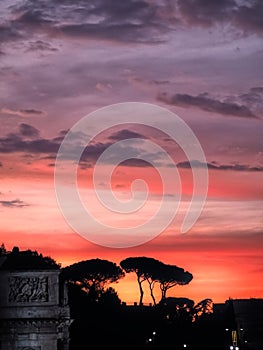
[(15, 203), (206, 103), (215, 166), (137, 163), (125, 134)]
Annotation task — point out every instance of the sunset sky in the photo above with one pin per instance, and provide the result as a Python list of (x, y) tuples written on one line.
[(199, 59)]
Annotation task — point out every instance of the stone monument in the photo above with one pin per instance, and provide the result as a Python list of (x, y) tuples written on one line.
[(34, 311)]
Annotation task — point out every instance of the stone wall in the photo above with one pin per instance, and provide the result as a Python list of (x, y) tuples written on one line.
[(33, 311)]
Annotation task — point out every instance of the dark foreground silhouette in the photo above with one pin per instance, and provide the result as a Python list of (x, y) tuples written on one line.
[(141, 327), (100, 319)]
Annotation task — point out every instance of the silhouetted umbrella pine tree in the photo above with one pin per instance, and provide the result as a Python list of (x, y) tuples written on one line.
[(154, 271), (93, 276), (169, 276), (143, 267)]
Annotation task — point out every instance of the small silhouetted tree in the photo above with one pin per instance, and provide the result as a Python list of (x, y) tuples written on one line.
[(204, 307), (93, 276), (177, 308), (2, 249), (28, 259), (110, 298)]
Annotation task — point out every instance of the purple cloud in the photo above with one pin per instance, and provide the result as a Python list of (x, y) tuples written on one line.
[(28, 130), (215, 166), (130, 20), (206, 103), (125, 134)]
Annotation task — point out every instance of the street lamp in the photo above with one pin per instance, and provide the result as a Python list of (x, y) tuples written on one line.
[(151, 339)]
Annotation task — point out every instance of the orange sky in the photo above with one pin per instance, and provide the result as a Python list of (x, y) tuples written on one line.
[(222, 251)]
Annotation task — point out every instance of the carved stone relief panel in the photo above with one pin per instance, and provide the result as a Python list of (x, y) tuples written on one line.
[(28, 289)]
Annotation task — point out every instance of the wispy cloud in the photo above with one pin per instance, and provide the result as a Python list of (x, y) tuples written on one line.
[(246, 15), (28, 112)]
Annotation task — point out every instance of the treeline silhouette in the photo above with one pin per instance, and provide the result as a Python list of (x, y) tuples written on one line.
[(94, 276), (99, 313), (101, 318)]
